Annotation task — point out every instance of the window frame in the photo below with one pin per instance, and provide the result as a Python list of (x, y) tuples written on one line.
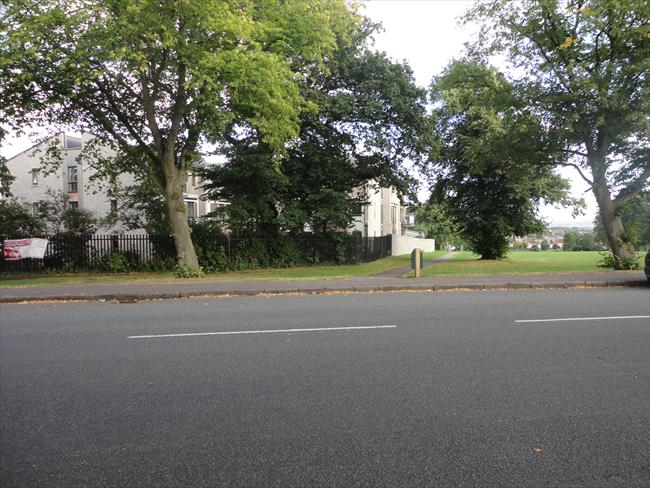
[(75, 182), (195, 204)]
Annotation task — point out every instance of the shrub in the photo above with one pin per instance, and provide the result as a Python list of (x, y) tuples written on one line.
[(249, 253), (212, 260), (17, 222), (120, 262), (285, 252), (187, 272), (158, 265), (609, 261), (113, 262), (69, 252)]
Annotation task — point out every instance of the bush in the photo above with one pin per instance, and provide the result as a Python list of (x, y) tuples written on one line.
[(69, 253), (187, 272), (213, 260), (113, 262), (120, 262), (158, 265), (17, 222), (209, 244), (609, 261), (284, 252)]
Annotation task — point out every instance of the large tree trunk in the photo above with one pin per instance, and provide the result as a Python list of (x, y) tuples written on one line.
[(623, 251), (176, 180)]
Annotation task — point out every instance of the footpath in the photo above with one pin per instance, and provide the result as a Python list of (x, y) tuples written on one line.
[(138, 290)]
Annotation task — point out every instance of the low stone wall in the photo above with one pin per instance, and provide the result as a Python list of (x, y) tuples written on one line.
[(404, 245)]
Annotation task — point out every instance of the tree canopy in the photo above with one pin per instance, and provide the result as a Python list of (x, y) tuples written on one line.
[(158, 79), (493, 160), (6, 178), (370, 118), (583, 67), (635, 215), (434, 219)]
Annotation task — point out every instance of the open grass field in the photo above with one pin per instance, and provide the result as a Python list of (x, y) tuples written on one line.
[(297, 273), (522, 262)]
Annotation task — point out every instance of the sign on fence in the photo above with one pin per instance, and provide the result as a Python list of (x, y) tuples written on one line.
[(15, 249)]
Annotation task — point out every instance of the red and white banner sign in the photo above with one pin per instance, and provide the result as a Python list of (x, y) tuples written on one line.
[(15, 249)]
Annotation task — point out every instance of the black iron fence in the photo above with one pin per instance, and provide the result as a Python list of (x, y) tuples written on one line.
[(142, 251)]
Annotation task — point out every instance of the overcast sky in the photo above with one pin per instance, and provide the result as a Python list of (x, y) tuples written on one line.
[(425, 34)]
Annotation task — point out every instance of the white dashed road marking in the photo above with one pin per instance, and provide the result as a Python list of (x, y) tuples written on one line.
[(580, 319), (238, 332)]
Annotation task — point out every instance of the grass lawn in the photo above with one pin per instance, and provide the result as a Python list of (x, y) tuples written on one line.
[(463, 264), (521, 262), (298, 273)]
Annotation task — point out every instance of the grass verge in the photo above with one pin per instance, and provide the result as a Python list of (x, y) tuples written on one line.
[(297, 273), (522, 262)]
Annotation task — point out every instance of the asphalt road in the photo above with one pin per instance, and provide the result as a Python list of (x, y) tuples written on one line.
[(457, 393)]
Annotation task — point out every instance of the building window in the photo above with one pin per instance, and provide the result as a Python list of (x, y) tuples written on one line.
[(35, 207), (191, 210), (72, 179), (34, 177), (73, 205), (113, 206), (72, 143)]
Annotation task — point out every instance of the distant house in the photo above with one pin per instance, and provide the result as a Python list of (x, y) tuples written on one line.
[(31, 185), (383, 215)]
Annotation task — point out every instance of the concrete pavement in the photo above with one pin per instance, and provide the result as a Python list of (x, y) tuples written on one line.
[(143, 290), (399, 272)]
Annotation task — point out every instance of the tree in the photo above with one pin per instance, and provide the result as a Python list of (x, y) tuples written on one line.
[(584, 67), (570, 240), (635, 215), (141, 206), (158, 79), (5, 176), (59, 218), (489, 159), (16, 221), (370, 118), (586, 242), (434, 219), (545, 245)]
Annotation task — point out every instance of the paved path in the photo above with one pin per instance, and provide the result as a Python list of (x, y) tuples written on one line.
[(140, 290), (399, 272)]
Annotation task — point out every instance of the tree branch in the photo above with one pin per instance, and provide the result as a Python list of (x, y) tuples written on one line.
[(631, 190), (108, 93), (179, 107), (149, 105), (575, 153), (582, 175), (110, 128)]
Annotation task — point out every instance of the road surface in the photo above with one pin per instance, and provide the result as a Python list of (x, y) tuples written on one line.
[(474, 389)]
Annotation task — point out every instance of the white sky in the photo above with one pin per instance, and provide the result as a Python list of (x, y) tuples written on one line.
[(425, 34)]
